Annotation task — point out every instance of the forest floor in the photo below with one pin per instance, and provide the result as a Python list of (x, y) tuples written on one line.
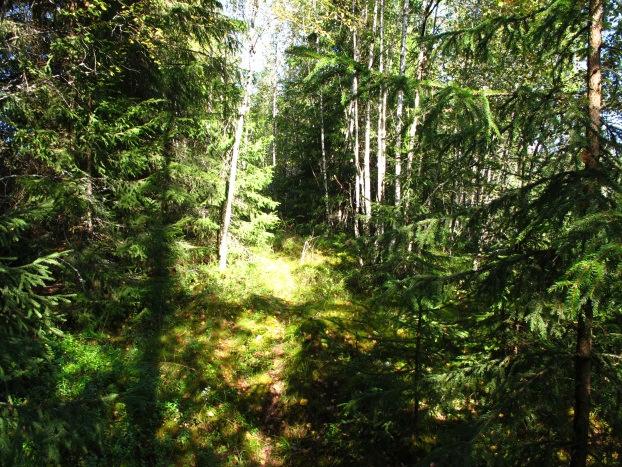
[(243, 371), (237, 347)]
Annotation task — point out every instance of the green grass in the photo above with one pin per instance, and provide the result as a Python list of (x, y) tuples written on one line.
[(221, 378), (271, 363)]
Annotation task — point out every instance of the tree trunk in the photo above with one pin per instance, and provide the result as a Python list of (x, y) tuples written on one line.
[(594, 79), (274, 113), (367, 164), (412, 132), (89, 193), (430, 7), (367, 138), (399, 122), (583, 373), (355, 130), (323, 144), (223, 249), (418, 338), (583, 358), (324, 168), (381, 159), (357, 164)]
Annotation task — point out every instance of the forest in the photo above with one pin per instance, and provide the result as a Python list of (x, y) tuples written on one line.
[(311, 233)]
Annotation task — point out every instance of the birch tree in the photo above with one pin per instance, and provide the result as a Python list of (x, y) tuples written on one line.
[(399, 122), (381, 162), (354, 125), (227, 213), (367, 149)]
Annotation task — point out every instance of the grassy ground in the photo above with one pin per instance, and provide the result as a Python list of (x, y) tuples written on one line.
[(272, 363), (235, 373), (226, 359)]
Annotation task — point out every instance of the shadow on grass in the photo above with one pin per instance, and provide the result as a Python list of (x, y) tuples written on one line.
[(140, 399), (358, 396), (204, 381)]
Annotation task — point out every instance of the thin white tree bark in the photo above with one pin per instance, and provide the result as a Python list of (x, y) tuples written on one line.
[(412, 132), (355, 129), (223, 248), (399, 121), (323, 144), (430, 7), (274, 114), (324, 164), (381, 158), (275, 81), (381, 161), (367, 149)]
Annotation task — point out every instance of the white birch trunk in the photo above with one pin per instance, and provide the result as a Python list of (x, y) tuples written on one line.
[(324, 168), (223, 248), (274, 113), (367, 148), (355, 128), (412, 132), (399, 123), (323, 146), (430, 7), (381, 161)]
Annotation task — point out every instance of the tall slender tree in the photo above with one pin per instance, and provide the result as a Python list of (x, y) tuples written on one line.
[(583, 358), (227, 211)]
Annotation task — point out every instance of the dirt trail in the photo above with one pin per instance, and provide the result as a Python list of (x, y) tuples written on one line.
[(235, 351)]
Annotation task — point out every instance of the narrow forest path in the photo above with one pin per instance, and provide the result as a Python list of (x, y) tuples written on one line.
[(236, 370), (271, 363)]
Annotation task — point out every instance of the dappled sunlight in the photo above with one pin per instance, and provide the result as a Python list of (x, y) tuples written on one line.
[(224, 388), (276, 272), (262, 377)]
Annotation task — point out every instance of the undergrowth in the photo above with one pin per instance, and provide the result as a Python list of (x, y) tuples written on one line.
[(273, 362), (216, 390)]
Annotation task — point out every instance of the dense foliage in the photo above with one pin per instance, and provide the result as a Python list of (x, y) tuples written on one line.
[(115, 127), (491, 236), (453, 167)]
